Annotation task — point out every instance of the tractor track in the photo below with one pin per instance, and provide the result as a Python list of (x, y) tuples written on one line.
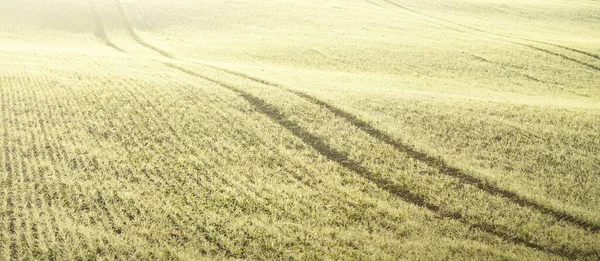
[(595, 56), (430, 160), (503, 66), (343, 160), (99, 30), (493, 35), (134, 34), (508, 69)]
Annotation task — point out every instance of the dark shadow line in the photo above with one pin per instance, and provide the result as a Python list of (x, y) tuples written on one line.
[(504, 67), (134, 34), (375, 4), (441, 165), (430, 160), (591, 66), (565, 47), (99, 30), (340, 158), (445, 168)]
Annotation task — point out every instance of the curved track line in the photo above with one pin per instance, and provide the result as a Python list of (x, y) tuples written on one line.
[(561, 46), (446, 169), (342, 159), (375, 4), (134, 34), (527, 76), (504, 40), (99, 30), (335, 156), (489, 32), (591, 66), (432, 161)]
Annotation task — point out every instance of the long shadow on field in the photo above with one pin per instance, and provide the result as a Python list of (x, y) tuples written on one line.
[(420, 15), (99, 30), (340, 158)]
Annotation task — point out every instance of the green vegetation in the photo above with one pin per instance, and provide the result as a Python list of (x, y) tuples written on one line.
[(350, 130)]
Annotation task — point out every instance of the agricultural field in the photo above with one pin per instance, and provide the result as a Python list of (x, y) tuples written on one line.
[(300, 130)]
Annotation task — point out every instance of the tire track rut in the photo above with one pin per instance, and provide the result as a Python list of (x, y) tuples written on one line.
[(134, 35), (524, 75), (99, 30), (446, 168), (342, 159), (420, 15)]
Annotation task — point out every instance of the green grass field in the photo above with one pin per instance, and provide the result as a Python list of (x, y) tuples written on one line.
[(300, 130)]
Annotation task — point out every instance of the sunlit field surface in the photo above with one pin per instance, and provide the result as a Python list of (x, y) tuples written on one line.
[(299, 130)]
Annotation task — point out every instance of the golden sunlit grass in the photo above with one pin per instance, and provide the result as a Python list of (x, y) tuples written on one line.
[(299, 130)]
